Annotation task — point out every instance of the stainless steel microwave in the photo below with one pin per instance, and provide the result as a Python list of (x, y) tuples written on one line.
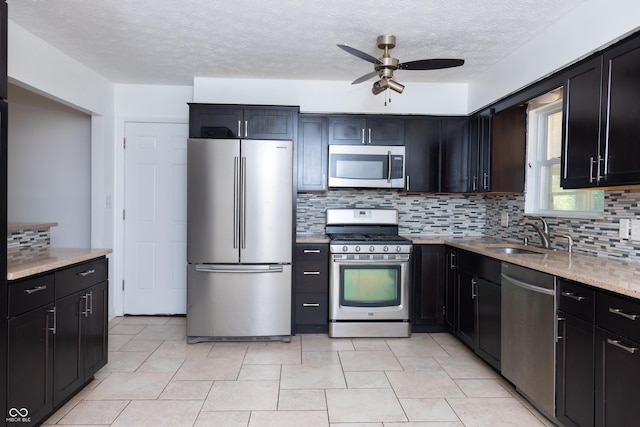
[(369, 166)]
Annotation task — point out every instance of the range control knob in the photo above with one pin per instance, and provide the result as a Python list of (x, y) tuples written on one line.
[(386, 249), (357, 248), (372, 248), (345, 248), (398, 248)]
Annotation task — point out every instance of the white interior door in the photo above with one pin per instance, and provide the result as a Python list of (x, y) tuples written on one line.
[(155, 220)]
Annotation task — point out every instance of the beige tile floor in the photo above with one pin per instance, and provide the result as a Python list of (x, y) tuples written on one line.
[(154, 378)]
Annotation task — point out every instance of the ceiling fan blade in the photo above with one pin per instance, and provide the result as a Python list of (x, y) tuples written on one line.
[(430, 64), (364, 78), (360, 54)]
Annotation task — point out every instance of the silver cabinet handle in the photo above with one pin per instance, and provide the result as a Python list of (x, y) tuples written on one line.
[(239, 128), (573, 296), (408, 183), (90, 301), (618, 343), (85, 310), (310, 304), (363, 136), (311, 251), (246, 128), (474, 185), (452, 261), (34, 290), (474, 284), (591, 162), (485, 181), (369, 135), (55, 320), (86, 272), (560, 337), (619, 312), (311, 273)]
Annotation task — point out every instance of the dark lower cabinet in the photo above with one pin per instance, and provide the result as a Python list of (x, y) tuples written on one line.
[(57, 338), (451, 291), (467, 308), (428, 288), (489, 321), (617, 379), (29, 366), (312, 288)]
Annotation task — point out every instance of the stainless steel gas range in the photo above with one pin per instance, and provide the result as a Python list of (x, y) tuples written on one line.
[(369, 274)]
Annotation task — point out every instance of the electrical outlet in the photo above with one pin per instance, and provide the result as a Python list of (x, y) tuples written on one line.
[(504, 219), (623, 230), (635, 229)]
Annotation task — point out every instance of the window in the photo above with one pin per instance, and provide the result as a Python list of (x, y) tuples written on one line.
[(544, 196)]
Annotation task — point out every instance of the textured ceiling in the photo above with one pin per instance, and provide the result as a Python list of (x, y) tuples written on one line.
[(171, 41)]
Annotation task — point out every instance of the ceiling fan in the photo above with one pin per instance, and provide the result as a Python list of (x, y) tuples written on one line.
[(386, 65)]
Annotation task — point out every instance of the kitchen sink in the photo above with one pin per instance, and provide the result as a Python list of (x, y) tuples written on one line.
[(513, 250)]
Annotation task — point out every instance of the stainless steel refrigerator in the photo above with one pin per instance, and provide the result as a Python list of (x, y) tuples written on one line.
[(239, 239)]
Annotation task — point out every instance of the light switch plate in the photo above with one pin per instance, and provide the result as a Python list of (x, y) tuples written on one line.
[(635, 229), (504, 219), (624, 228)]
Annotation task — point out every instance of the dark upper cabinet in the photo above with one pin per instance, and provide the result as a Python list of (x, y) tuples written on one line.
[(480, 151), (422, 154), (357, 129), (508, 151), (602, 120), (312, 149), (224, 121), (581, 126), (454, 155), (428, 287), (3, 49)]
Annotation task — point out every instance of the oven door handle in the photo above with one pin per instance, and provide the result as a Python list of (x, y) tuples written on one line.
[(372, 262)]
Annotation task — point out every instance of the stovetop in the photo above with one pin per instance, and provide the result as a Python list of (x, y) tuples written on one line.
[(368, 238)]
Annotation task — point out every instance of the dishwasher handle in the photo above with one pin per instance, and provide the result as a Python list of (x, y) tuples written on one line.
[(528, 286)]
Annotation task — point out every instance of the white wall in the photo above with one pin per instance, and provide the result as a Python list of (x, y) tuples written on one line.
[(49, 168), (590, 27), (333, 96), (37, 66)]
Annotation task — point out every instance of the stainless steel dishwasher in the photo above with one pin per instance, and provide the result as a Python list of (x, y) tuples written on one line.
[(528, 334)]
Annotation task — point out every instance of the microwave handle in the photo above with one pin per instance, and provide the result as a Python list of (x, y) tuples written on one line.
[(389, 168)]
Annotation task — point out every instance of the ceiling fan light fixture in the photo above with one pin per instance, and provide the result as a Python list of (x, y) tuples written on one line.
[(394, 85), (384, 84)]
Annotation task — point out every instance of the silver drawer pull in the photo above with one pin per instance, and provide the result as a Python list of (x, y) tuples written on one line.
[(311, 273), (86, 272), (573, 296), (619, 312), (310, 304), (36, 289), (619, 344), (311, 251)]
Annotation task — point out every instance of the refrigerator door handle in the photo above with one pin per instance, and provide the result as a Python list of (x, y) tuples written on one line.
[(207, 268), (243, 203), (236, 196)]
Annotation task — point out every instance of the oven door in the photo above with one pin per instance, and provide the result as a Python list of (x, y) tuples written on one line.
[(367, 289)]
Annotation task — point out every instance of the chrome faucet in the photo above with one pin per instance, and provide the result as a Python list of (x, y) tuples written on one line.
[(544, 232)]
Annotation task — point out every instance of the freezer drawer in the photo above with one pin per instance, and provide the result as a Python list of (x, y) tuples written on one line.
[(235, 302)]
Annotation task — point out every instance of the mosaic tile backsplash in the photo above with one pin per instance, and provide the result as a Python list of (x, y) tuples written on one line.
[(477, 215), (27, 243)]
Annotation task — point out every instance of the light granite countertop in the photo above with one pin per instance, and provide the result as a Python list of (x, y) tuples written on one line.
[(17, 226), (619, 276), (51, 259)]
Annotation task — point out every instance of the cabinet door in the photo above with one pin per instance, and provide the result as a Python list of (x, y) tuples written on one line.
[(269, 123), (211, 121), (582, 122), (454, 152), (67, 348), (508, 154), (384, 131), (574, 371), (422, 154), (428, 284), (30, 363), (3, 49), (451, 292), (489, 321), (94, 333), (347, 130), (617, 379), (623, 116), (312, 153), (467, 308)]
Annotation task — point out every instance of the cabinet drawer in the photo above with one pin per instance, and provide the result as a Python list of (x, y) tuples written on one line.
[(25, 295), (312, 252), (312, 309), (618, 315), (576, 299), (80, 276), (312, 277)]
